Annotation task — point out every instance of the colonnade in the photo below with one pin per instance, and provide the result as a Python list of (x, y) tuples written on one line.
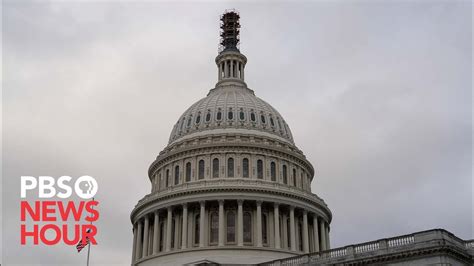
[(229, 223), (231, 68)]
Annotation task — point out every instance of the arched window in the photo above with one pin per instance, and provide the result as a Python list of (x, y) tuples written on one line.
[(208, 116), (273, 171), (214, 237), (197, 220), (201, 169), (294, 177), (245, 167), (219, 115), (262, 118), (259, 169), (242, 115), (231, 227), (301, 181), (198, 118), (252, 116), (247, 227), (230, 115), (188, 172), (176, 175), (167, 177), (230, 167), (285, 175), (215, 168), (264, 229), (272, 122)]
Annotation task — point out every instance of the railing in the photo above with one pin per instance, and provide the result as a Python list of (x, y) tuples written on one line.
[(366, 247), (337, 252), (469, 244), (401, 241), (381, 247)]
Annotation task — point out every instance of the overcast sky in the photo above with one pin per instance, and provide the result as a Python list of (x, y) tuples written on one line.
[(377, 95)]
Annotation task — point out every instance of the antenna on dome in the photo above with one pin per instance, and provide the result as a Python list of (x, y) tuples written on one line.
[(230, 29)]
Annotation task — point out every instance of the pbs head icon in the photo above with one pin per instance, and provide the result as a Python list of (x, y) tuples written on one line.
[(86, 187)]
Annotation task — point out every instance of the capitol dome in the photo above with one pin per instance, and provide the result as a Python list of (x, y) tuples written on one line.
[(231, 109), (231, 187)]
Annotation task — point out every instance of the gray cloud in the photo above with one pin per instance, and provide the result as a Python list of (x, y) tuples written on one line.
[(378, 96)]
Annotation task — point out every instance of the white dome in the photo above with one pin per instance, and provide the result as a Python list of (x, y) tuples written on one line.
[(229, 109)]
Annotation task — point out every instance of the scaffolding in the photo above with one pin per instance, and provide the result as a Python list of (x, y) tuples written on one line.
[(230, 30)]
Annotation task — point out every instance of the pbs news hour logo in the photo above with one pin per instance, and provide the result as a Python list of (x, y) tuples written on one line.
[(53, 218)]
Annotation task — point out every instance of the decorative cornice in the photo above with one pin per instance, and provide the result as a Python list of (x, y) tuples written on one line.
[(207, 187)]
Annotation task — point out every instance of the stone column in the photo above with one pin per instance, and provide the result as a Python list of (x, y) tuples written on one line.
[(134, 247), (219, 72), (150, 239), (323, 234), (240, 223), (277, 226), (168, 229), (176, 232), (292, 229), (305, 232), (226, 70), (316, 234), (259, 224), (145, 237), (202, 227), (221, 223), (237, 72), (139, 241), (184, 239), (231, 68), (285, 236), (156, 229)]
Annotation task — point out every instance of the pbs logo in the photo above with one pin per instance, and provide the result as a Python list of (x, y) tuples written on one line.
[(85, 187)]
